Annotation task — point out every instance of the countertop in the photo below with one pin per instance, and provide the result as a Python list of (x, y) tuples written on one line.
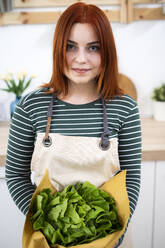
[(153, 140)]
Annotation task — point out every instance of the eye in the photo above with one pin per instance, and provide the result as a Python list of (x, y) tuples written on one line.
[(70, 47), (94, 48)]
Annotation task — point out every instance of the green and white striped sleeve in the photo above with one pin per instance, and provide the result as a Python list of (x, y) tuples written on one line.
[(19, 153), (130, 152)]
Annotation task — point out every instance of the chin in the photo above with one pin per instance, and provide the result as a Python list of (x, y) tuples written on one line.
[(79, 80)]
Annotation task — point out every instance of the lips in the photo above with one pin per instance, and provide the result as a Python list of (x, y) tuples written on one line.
[(80, 70)]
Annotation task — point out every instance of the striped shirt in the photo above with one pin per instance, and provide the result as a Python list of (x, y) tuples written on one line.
[(30, 118)]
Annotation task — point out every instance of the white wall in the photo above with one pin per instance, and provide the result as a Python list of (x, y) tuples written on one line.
[(141, 53), (140, 48)]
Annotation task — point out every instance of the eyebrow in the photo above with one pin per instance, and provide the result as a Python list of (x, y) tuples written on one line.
[(90, 43)]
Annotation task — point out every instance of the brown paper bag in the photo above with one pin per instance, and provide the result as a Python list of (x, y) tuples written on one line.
[(116, 187)]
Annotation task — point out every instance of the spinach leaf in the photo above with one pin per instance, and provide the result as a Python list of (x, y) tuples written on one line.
[(79, 214)]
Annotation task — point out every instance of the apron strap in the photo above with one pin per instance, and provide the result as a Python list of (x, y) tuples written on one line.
[(47, 140), (104, 143)]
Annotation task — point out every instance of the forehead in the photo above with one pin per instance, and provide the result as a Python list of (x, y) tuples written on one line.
[(82, 33)]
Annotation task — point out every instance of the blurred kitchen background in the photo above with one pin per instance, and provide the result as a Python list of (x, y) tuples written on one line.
[(26, 45), (140, 47)]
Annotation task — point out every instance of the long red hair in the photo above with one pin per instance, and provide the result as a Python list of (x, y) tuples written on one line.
[(107, 82)]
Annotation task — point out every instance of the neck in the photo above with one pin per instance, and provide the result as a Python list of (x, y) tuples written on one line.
[(80, 93)]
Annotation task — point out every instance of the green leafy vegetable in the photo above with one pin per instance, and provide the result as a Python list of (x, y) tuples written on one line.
[(79, 214)]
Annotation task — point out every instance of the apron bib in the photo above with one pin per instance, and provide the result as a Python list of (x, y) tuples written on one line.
[(70, 159)]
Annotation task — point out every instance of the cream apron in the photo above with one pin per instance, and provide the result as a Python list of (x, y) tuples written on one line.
[(70, 159)]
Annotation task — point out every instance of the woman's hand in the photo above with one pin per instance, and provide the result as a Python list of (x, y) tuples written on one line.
[(114, 245)]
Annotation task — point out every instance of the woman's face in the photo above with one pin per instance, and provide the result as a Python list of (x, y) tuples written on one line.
[(82, 54)]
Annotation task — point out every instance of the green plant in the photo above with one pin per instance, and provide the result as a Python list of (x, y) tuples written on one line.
[(159, 93), (16, 85)]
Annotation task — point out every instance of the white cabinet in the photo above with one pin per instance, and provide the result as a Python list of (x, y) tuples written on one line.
[(11, 219), (159, 209), (148, 229), (142, 219)]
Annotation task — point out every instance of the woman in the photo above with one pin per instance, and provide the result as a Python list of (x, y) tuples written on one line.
[(79, 125)]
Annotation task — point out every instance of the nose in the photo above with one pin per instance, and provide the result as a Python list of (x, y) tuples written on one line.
[(81, 56)]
